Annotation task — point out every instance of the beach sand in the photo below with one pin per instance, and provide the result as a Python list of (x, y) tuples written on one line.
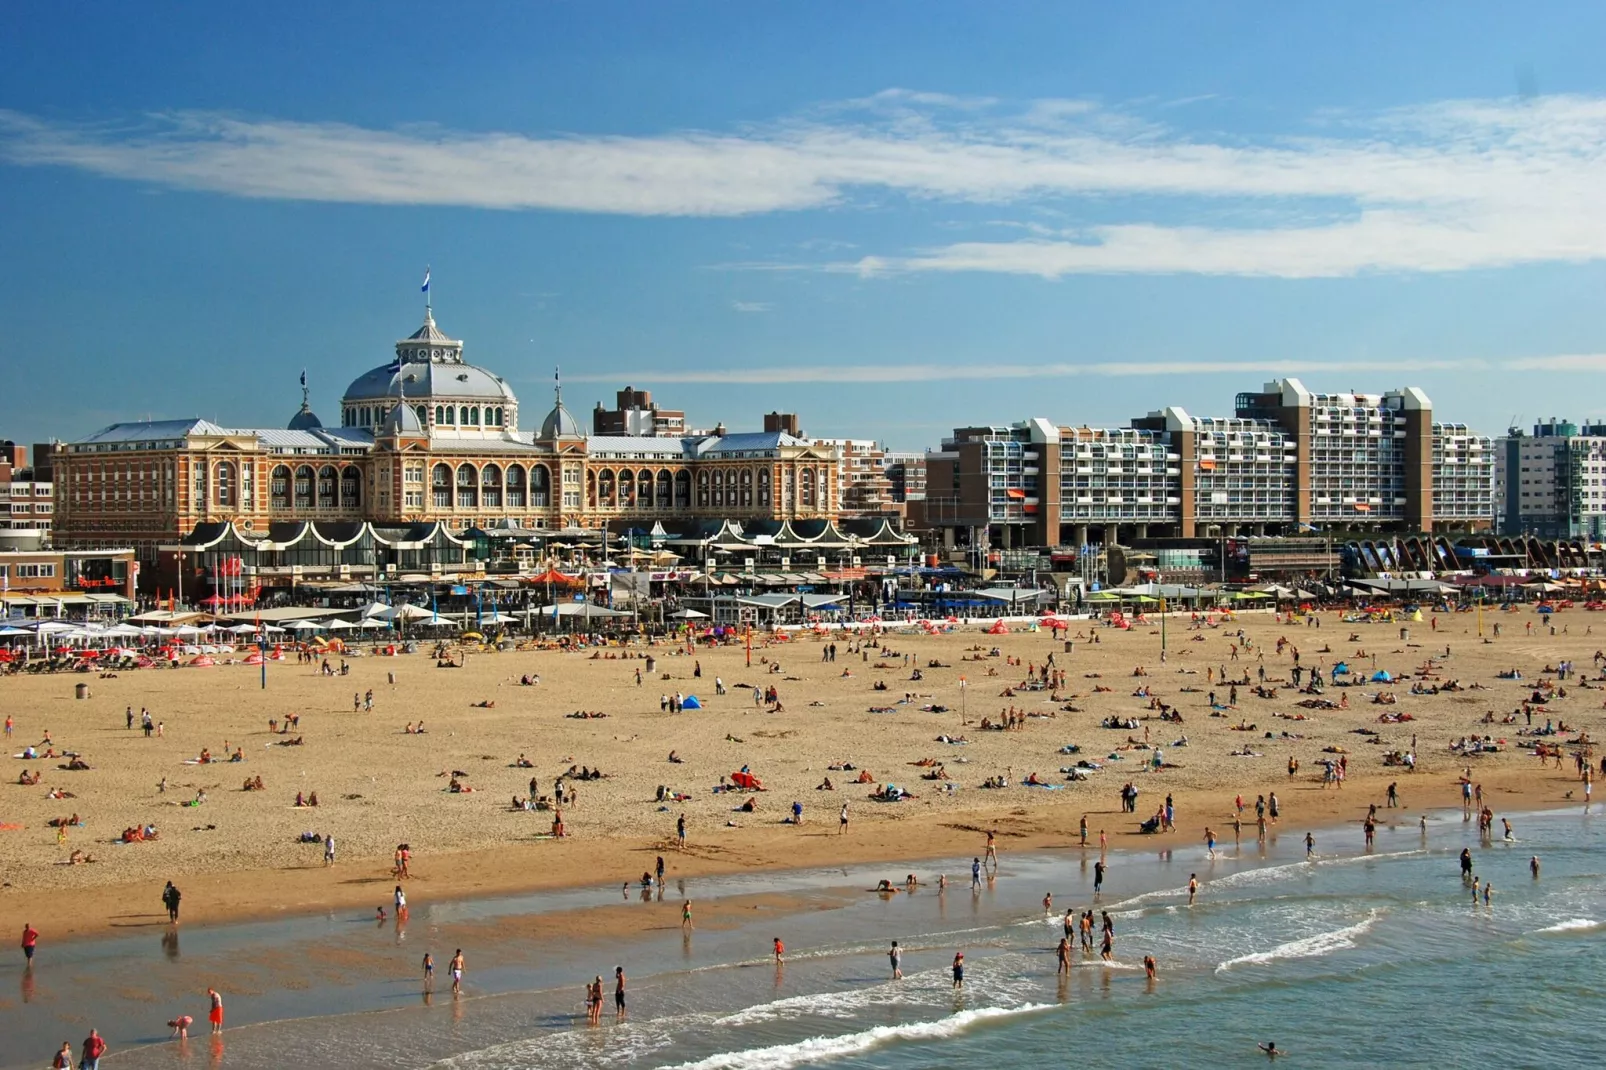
[(236, 856)]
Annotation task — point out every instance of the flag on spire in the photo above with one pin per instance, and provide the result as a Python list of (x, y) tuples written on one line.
[(424, 289)]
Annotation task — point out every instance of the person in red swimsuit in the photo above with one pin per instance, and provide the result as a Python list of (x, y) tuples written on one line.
[(215, 1015)]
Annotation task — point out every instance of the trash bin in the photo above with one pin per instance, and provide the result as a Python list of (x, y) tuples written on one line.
[(1068, 645), (391, 677), (81, 690), (1405, 633)]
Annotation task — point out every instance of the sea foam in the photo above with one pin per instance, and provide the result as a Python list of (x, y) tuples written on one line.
[(1306, 947)]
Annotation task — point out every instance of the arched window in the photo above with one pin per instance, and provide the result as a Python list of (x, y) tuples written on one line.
[(591, 489), (627, 491), (279, 488), (498, 420), (644, 489), (304, 487), (326, 487), (423, 415), (223, 483), (468, 487), (661, 490), (350, 488), (473, 417), (491, 487), (683, 489), (441, 486), (540, 486), (440, 414), (605, 489), (515, 487)]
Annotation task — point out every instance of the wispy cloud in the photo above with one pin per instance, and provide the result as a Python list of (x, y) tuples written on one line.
[(923, 373), (1448, 186), (752, 306)]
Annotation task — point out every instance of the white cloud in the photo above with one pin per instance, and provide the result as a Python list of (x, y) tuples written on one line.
[(752, 306), (922, 373), (1447, 186)]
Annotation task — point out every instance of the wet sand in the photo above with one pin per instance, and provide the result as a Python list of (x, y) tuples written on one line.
[(379, 786)]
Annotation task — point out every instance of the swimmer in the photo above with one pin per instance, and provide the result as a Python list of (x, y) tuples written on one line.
[(1193, 887), (1533, 866), (1270, 1048), (1148, 966)]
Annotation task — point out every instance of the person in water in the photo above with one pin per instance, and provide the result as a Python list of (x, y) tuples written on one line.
[(1270, 1048)]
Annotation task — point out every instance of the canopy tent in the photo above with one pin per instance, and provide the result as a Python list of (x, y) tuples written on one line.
[(302, 626), (998, 628), (373, 609), (691, 702), (556, 578), (406, 613), (687, 614), (341, 625), (494, 617)]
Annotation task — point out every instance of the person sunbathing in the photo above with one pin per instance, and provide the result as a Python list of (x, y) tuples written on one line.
[(524, 763), (826, 785), (80, 857), (484, 704), (27, 779), (76, 764), (206, 756), (238, 755), (59, 793)]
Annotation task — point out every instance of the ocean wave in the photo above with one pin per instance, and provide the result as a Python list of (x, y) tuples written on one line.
[(1307, 946), (784, 1056), (1571, 925)]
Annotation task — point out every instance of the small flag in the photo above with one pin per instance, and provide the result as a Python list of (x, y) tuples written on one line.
[(425, 288), (303, 377)]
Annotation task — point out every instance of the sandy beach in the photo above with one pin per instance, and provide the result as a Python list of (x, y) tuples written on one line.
[(237, 854)]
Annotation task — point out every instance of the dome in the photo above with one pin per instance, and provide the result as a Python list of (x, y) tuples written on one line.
[(304, 420), (402, 421), (428, 381), (559, 423)]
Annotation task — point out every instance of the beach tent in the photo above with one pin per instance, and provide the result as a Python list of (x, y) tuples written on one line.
[(747, 781), (1382, 676), (998, 628), (1342, 666), (690, 703)]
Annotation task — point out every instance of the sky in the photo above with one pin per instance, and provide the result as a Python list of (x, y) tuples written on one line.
[(891, 218)]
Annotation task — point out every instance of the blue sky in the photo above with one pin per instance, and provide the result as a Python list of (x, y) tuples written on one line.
[(891, 218)]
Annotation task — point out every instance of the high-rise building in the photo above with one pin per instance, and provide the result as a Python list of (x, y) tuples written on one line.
[(1552, 483), (862, 481), (1288, 461), (635, 414)]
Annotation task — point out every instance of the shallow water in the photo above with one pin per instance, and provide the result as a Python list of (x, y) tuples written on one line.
[(1351, 959)]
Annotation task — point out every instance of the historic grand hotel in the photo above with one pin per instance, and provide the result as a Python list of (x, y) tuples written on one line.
[(427, 438)]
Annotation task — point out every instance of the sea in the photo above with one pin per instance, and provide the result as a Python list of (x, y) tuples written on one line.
[(1347, 958)]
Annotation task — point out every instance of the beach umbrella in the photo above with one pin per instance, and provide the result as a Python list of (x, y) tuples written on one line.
[(688, 614), (243, 629), (341, 625), (302, 626)]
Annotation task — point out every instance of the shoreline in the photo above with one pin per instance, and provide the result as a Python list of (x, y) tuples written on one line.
[(222, 899)]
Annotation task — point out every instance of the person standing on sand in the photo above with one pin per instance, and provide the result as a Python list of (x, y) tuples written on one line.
[(842, 820), (991, 852), (170, 899), (429, 972), (456, 970), (1082, 830), (63, 1059), (618, 992), (685, 916), (30, 940), (329, 849), (1098, 877), (896, 957), (214, 1013), (1063, 953), (680, 831), (959, 969), (1193, 887)]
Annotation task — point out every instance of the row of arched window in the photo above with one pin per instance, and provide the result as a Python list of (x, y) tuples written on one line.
[(490, 487), (371, 416), (306, 487)]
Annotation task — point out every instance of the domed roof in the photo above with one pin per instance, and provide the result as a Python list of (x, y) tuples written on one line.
[(560, 423), (402, 421), (426, 381), (304, 420)]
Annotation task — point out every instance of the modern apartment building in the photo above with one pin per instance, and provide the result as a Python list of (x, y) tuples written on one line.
[(27, 499), (635, 414), (862, 479), (1552, 483), (1289, 460)]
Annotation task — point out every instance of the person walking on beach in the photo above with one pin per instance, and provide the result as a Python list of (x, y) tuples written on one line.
[(1063, 953), (429, 972), (329, 849), (975, 874), (63, 1059), (618, 992), (685, 916), (170, 899), (680, 831), (959, 969), (214, 1012), (1193, 887), (660, 872), (780, 951), (94, 1048), (30, 940), (1310, 846), (1082, 829), (456, 970), (896, 957), (990, 854), (842, 820), (1210, 842), (1098, 877)]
